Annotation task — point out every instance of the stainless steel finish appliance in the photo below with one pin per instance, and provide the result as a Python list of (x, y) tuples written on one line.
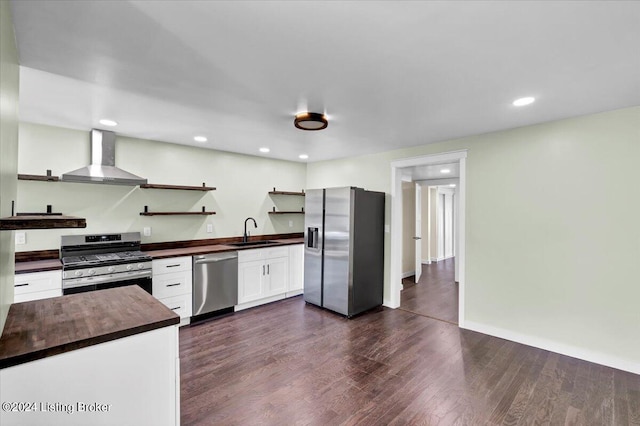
[(103, 164), (215, 283), (99, 261), (344, 249)]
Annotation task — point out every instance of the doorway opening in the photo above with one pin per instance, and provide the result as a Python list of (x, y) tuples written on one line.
[(443, 262), (428, 250)]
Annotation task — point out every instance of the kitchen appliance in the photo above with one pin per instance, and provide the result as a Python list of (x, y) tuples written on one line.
[(215, 284), (344, 249), (103, 164), (100, 261)]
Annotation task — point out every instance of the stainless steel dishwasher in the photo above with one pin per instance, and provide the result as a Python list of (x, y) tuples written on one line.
[(215, 284)]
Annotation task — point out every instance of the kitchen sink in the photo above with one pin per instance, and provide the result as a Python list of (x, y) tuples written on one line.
[(251, 243)]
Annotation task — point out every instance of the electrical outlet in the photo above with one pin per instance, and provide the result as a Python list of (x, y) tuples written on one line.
[(209, 228), (146, 231), (290, 224), (21, 238)]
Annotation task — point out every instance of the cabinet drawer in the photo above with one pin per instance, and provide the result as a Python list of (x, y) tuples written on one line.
[(38, 281), (26, 297), (263, 253), (174, 264), (173, 284), (181, 305)]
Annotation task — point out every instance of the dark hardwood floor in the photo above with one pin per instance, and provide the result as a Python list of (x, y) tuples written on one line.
[(288, 363), (435, 295)]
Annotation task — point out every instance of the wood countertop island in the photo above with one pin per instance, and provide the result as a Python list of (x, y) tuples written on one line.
[(99, 358), (42, 328)]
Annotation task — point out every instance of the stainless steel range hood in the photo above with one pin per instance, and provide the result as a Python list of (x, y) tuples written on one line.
[(103, 164)]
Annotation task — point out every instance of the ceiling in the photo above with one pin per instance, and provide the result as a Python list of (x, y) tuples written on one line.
[(388, 74)]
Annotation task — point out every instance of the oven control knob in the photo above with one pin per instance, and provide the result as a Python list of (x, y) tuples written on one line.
[(111, 269), (91, 272), (129, 267), (78, 273), (140, 265)]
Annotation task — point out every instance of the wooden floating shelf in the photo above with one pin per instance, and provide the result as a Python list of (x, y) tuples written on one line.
[(274, 192), (41, 222), (302, 194), (176, 213), (180, 187), (293, 212), (42, 178)]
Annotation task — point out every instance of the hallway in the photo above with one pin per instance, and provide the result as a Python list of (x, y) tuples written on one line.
[(435, 295)]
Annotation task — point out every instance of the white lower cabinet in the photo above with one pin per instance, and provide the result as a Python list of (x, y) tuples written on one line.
[(264, 275), (296, 270), (37, 285), (173, 285)]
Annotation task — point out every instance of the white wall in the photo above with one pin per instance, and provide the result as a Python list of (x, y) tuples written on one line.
[(553, 237), (242, 183), (9, 82)]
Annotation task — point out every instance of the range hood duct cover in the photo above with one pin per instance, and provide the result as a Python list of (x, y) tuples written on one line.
[(103, 164)]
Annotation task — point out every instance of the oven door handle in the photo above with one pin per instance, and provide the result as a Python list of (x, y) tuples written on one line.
[(100, 279)]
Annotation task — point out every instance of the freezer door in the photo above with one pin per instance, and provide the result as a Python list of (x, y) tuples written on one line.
[(337, 249), (313, 243)]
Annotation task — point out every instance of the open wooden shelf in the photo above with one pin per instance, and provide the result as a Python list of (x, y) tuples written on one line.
[(42, 178), (176, 213), (291, 212), (179, 187), (302, 194), (41, 222)]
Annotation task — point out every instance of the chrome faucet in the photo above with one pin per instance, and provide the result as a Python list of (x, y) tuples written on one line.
[(255, 225)]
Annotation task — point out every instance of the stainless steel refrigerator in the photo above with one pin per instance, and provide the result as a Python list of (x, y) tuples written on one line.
[(344, 249)]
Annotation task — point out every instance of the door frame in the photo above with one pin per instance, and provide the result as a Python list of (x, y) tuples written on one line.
[(398, 170)]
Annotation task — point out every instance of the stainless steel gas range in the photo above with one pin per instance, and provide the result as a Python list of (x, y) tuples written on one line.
[(100, 261)]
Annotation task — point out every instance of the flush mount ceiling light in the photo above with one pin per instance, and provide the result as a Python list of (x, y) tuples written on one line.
[(445, 171), (303, 156), (524, 101), (200, 138), (310, 121), (106, 122), (265, 150)]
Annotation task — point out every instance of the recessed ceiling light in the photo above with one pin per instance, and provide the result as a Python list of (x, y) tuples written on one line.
[(445, 171), (303, 156), (452, 185), (310, 121), (265, 149), (524, 101), (200, 138), (106, 122)]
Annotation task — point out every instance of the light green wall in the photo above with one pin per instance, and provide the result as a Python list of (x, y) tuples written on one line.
[(9, 78), (552, 229), (242, 183)]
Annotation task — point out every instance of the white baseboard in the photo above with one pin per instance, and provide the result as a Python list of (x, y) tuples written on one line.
[(557, 347), (408, 274), (259, 302), (426, 262)]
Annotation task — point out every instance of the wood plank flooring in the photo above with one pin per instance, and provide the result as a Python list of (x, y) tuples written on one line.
[(289, 363), (435, 295)]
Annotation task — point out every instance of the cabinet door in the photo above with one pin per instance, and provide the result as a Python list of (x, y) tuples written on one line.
[(251, 279), (278, 275), (296, 267)]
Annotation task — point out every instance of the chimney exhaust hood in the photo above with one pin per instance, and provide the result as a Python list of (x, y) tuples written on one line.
[(103, 164)]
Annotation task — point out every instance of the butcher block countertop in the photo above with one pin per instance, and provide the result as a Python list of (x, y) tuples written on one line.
[(216, 248), (47, 327), (24, 267)]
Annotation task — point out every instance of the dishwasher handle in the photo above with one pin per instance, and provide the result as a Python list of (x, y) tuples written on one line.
[(198, 260)]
